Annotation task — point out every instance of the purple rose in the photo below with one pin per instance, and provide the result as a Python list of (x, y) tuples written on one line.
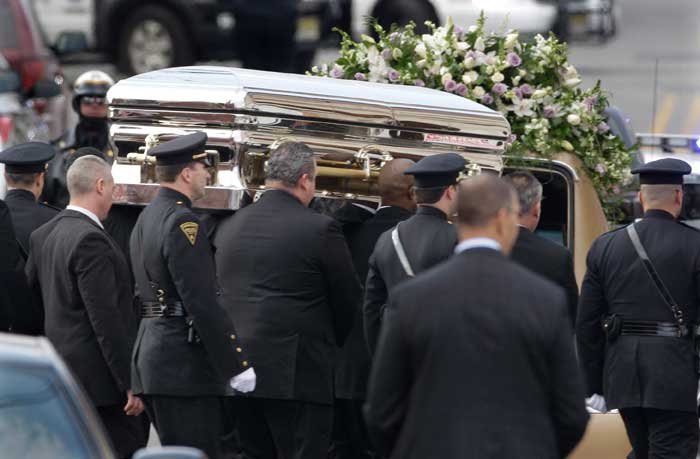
[(393, 37), (461, 89), (512, 138), (487, 99), (590, 102), (600, 168), (386, 54), (513, 59), (337, 71), (499, 89), (360, 76), (459, 32), (603, 127), (471, 54), (518, 92), (419, 83), (450, 85), (393, 75), (526, 89), (550, 112)]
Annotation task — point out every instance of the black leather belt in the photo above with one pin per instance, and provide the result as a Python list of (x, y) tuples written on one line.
[(652, 328), (150, 310)]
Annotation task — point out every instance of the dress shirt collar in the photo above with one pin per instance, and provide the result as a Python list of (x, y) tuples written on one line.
[(87, 213), (364, 207), (478, 243)]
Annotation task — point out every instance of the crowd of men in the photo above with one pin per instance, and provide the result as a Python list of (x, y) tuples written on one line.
[(437, 325)]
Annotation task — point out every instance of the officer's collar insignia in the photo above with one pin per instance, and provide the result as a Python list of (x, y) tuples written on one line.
[(190, 229)]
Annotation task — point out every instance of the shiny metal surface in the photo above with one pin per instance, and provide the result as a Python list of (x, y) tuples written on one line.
[(354, 127)]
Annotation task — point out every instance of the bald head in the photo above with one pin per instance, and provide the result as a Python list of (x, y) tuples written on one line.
[(395, 187), (487, 206)]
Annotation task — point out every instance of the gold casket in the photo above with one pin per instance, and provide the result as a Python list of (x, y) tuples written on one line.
[(353, 127)]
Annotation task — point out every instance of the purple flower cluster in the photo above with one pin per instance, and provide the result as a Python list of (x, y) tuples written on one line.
[(419, 83), (450, 85), (386, 54), (393, 37), (589, 102), (336, 71), (487, 99), (526, 89), (461, 89), (513, 59), (603, 127), (359, 76), (550, 112), (600, 168), (393, 75), (499, 89)]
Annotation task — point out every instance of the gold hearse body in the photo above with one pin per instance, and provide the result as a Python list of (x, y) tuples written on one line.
[(354, 128)]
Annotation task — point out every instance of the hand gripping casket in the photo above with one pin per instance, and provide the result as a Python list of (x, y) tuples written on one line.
[(353, 127)]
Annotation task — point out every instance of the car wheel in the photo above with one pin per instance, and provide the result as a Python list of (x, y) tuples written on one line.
[(153, 38), (401, 12)]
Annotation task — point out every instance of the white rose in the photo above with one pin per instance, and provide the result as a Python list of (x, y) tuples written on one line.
[(480, 45), (396, 53), (539, 94), (470, 77), (469, 63), (421, 63), (515, 80), (420, 50), (572, 82), (472, 29), (511, 40), (446, 77), (497, 77), (491, 59), (462, 46), (367, 39), (490, 70), (573, 119), (522, 73), (478, 92)]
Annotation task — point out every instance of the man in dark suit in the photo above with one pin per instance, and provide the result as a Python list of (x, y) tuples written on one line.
[(85, 287), (476, 360), (187, 351), (350, 440), (417, 244), (291, 288), (25, 166), (635, 339), (546, 258), (10, 272)]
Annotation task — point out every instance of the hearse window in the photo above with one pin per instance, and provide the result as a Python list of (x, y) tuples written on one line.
[(691, 204)]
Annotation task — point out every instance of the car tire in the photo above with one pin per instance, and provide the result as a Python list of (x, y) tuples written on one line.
[(401, 12), (165, 36)]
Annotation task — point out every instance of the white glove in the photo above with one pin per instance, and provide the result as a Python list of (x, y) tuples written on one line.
[(597, 403), (244, 382)]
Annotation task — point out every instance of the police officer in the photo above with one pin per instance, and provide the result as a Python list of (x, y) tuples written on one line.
[(25, 170), (90, 103), (638, 303), (418, 243), (187, 351)]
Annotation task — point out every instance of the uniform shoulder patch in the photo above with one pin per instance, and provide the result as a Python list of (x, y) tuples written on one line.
[(190, 229)]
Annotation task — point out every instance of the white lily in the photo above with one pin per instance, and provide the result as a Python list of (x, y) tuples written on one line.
[(521, 107)]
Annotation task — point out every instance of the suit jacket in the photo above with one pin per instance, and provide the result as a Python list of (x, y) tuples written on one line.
[(172, 259), (551, 261), (11, 275), (27, 214), (640, 371), (85, 287), (428, 238), (352, 367), (478, 355), (290, 286)]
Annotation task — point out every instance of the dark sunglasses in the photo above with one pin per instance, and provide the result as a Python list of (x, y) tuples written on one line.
[(90, 100)]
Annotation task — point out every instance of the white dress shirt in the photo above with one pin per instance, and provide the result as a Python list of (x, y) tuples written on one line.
[(478, 243), (84, 211)]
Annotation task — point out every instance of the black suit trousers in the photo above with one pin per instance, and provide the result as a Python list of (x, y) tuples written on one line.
[(128, 433), (350, 439), (283, 429), (661, 434), (187, 421)]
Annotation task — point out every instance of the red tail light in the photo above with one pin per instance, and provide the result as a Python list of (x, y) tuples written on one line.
[(32, 70), (5, 129)]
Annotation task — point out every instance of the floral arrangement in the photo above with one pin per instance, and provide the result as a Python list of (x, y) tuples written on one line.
[(532, 84)]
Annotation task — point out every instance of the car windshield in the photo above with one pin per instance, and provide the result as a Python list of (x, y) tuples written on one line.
[(35, 418), (8, 34)]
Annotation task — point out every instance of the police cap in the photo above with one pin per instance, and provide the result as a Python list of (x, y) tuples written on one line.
[(183, 149), (437, 171), (667, 171), (27, 158)]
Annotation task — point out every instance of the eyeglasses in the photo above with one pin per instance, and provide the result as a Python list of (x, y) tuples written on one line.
[(91, 100)]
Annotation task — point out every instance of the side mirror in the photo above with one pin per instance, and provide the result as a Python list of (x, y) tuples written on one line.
[(170, 452), (70, 43), (9, 81), (44, 89)]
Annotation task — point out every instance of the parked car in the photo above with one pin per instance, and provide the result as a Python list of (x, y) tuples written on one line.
[(154, 34), (44, 412), (22, 45)]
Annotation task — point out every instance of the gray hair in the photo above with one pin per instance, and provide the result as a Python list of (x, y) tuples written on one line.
[(289, 162), (84, 173), (528, 189), (659, 195)]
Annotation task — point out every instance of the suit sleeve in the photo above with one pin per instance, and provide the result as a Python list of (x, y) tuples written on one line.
[(589, 332), (389, 385), (342, 284), (191, 265), (571, 288), (373, 304), (95, 274), (566, 391)]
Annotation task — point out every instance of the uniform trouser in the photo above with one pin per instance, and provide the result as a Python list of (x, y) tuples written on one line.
[(350, 439), (127, 433), (187, 421), (283, 429), (661, 434)]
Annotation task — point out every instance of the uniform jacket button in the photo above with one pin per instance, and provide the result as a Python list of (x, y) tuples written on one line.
[(233, 336), (245, 363), (238, 349)]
